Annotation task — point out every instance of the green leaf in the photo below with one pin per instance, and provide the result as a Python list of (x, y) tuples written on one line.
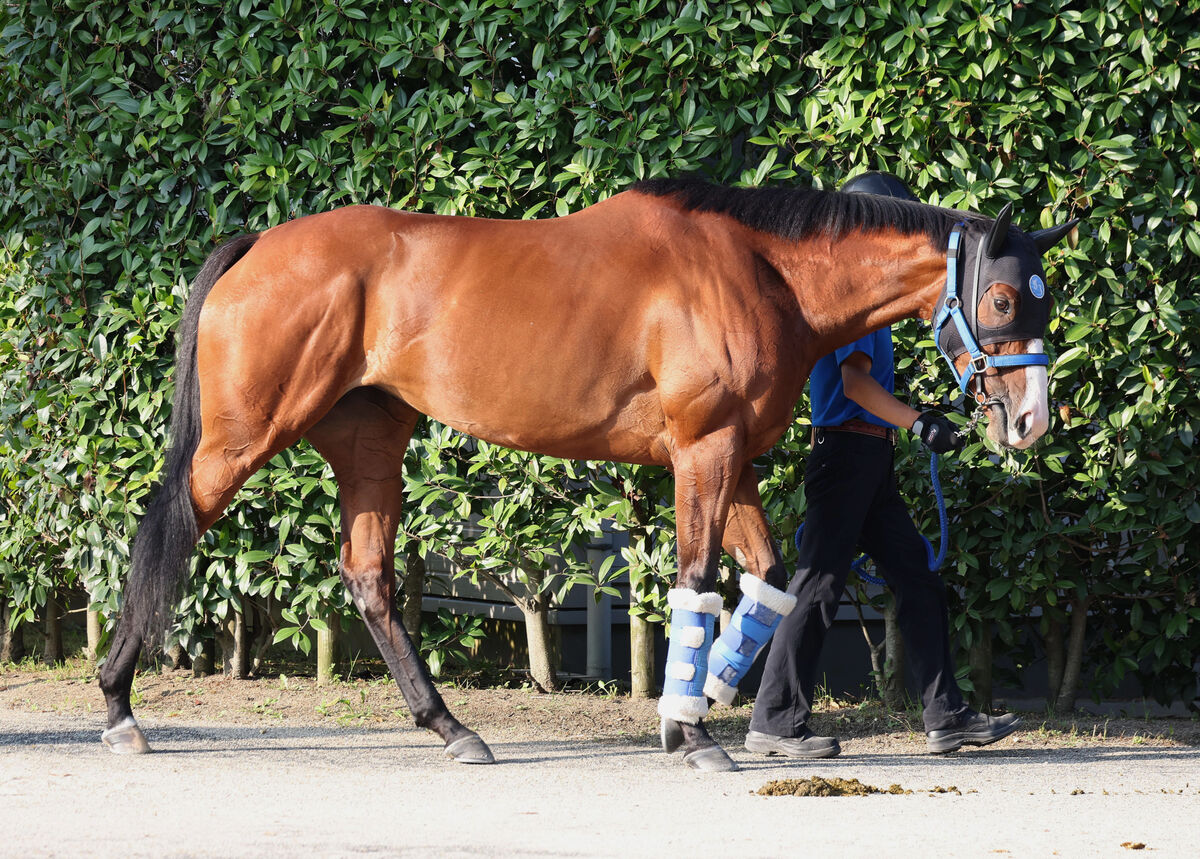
[(1077, 332)]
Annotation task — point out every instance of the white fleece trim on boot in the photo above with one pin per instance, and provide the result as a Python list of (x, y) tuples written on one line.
[(684, 671), (719, 690), (776, 600), (688, 600), (691, 636), (683, 708)]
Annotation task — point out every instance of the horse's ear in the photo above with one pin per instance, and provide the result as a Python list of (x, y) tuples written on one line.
[(998, 235), (1048, 238)]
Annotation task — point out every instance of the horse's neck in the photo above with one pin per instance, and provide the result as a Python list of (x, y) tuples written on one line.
[(848, 288)]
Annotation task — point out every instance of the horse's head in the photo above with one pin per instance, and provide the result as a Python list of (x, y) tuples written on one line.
[(991, 323)]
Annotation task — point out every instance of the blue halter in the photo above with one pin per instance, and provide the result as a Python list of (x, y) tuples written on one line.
[(952, 310)]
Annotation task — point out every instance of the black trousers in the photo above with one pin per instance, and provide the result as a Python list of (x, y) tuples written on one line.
[(850, 484)]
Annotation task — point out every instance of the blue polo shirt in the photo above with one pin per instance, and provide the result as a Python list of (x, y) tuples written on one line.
[(830, 406)]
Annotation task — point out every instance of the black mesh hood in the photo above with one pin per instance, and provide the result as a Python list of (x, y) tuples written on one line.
[(1019, 265)]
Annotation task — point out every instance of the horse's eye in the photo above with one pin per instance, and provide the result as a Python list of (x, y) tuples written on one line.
[(1002, 305)]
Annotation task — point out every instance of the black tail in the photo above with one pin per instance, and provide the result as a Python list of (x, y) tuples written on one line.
[(167, 534)]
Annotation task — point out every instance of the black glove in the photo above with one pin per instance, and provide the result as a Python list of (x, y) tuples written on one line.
[(937, 433)]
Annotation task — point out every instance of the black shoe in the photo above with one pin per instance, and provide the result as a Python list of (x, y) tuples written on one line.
[(972, 729), (806, 746)]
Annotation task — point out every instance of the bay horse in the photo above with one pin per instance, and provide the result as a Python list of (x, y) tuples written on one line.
[(673, 324)]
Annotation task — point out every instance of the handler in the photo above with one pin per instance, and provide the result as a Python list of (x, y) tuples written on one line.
[(850, 485)]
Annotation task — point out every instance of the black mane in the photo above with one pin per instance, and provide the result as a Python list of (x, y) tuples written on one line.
[(798, 213)]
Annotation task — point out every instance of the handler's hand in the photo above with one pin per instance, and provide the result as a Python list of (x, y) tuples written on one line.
[(937, 433)]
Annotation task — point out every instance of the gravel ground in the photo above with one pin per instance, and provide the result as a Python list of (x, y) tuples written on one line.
[(218, 789)]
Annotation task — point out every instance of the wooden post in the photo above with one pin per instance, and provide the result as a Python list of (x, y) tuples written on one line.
[(12, 641), (1054, 640), (1072, 664), (95, 629), (327, 647), (235, 647), (539, 639), (414, 593), (892, 688), (54, 641), (641, 657), (205, 662)]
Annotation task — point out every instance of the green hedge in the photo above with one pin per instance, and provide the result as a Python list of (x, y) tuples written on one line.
[(131, 143)]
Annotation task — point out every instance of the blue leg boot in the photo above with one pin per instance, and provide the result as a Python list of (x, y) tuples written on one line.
[(692, 618), (755, 621), (683, 704)]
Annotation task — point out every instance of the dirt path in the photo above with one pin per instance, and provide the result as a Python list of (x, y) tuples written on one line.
[(273, 768)]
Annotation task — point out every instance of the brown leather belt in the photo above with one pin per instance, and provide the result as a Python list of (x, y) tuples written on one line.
[(857, 426)]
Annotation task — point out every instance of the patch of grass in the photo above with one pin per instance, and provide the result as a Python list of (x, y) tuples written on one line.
[(609, 689), (1081, 730), (348, 711), (864, 717), (267, 707), (76, 669), (28, 664)]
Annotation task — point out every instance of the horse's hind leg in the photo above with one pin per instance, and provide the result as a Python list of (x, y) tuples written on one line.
[(364, 438), (122, 735), (190, 500), (238, 431)]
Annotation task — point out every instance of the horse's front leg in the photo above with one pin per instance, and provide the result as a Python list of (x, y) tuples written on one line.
[(764, 601), (706, 471)]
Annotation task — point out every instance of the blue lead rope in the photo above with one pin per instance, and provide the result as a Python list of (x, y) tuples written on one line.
[(935, 564)]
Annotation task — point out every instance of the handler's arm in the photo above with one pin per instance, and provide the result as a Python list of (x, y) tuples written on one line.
[(862, 388)]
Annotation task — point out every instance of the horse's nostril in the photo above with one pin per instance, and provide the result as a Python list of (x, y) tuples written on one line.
[(1025, 424)]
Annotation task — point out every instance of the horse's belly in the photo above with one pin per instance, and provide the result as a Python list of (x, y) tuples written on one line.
[(554, 427), (521, 398)]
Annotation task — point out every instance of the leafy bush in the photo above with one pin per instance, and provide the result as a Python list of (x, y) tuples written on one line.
[(131, 143), (450, 641)]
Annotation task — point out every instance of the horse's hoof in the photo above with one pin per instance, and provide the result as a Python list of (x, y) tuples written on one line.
[(470, 750), (710, 759), (671, 734), (125, 738)]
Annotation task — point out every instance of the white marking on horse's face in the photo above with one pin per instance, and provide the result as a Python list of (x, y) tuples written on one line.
[(1033, 413)]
